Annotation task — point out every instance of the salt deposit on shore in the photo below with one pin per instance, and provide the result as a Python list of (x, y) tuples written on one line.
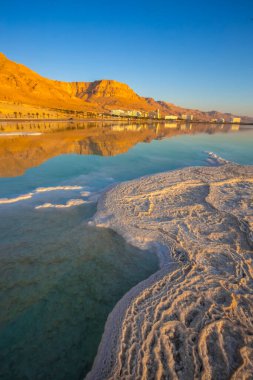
[(193, 318), (5, 201), (69, 203)]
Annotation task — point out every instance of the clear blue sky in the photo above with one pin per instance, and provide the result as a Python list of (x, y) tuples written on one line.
[(197, 54)]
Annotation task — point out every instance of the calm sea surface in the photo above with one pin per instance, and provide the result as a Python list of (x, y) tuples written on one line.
[(60, 277)]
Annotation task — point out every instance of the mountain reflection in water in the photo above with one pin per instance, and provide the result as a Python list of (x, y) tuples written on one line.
[(37, 142)]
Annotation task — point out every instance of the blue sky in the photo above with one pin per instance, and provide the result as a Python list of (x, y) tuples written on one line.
[(197, 54)]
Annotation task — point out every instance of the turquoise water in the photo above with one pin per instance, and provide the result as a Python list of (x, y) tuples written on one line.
[(60, 277), (59, 280), (96, 172)]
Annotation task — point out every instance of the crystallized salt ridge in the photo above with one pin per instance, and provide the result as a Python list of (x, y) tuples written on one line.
[(191, 319)]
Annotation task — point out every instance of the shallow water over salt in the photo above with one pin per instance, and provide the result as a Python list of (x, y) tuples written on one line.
[(60, 277)]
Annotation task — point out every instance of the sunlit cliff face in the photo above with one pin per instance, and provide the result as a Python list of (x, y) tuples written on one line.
[(24, 92), (25, 145), (22, 85)]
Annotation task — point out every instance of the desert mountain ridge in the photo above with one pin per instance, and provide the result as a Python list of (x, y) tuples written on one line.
[(19, 84)]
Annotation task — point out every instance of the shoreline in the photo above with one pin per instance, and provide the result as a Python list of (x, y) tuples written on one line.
[(112, 328), (108, 359), (101, 368), (116, 120)]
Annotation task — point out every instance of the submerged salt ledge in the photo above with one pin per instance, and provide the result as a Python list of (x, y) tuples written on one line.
[(191, 319), (57, 188), (70, 203), (41, 190), (215, 159), (19, 198)]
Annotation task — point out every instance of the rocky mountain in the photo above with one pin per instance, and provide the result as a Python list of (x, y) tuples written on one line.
[(19, 84)]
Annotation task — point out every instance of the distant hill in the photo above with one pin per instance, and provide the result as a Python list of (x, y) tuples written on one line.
[(19, 84)]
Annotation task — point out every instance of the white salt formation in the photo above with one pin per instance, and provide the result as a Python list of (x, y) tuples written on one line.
[(194, 318), (70, 203)]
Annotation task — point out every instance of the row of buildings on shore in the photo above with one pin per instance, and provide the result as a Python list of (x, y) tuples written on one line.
[(157, 115)]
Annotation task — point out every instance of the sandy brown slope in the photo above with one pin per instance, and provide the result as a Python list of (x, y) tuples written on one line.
[(20, 84)]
